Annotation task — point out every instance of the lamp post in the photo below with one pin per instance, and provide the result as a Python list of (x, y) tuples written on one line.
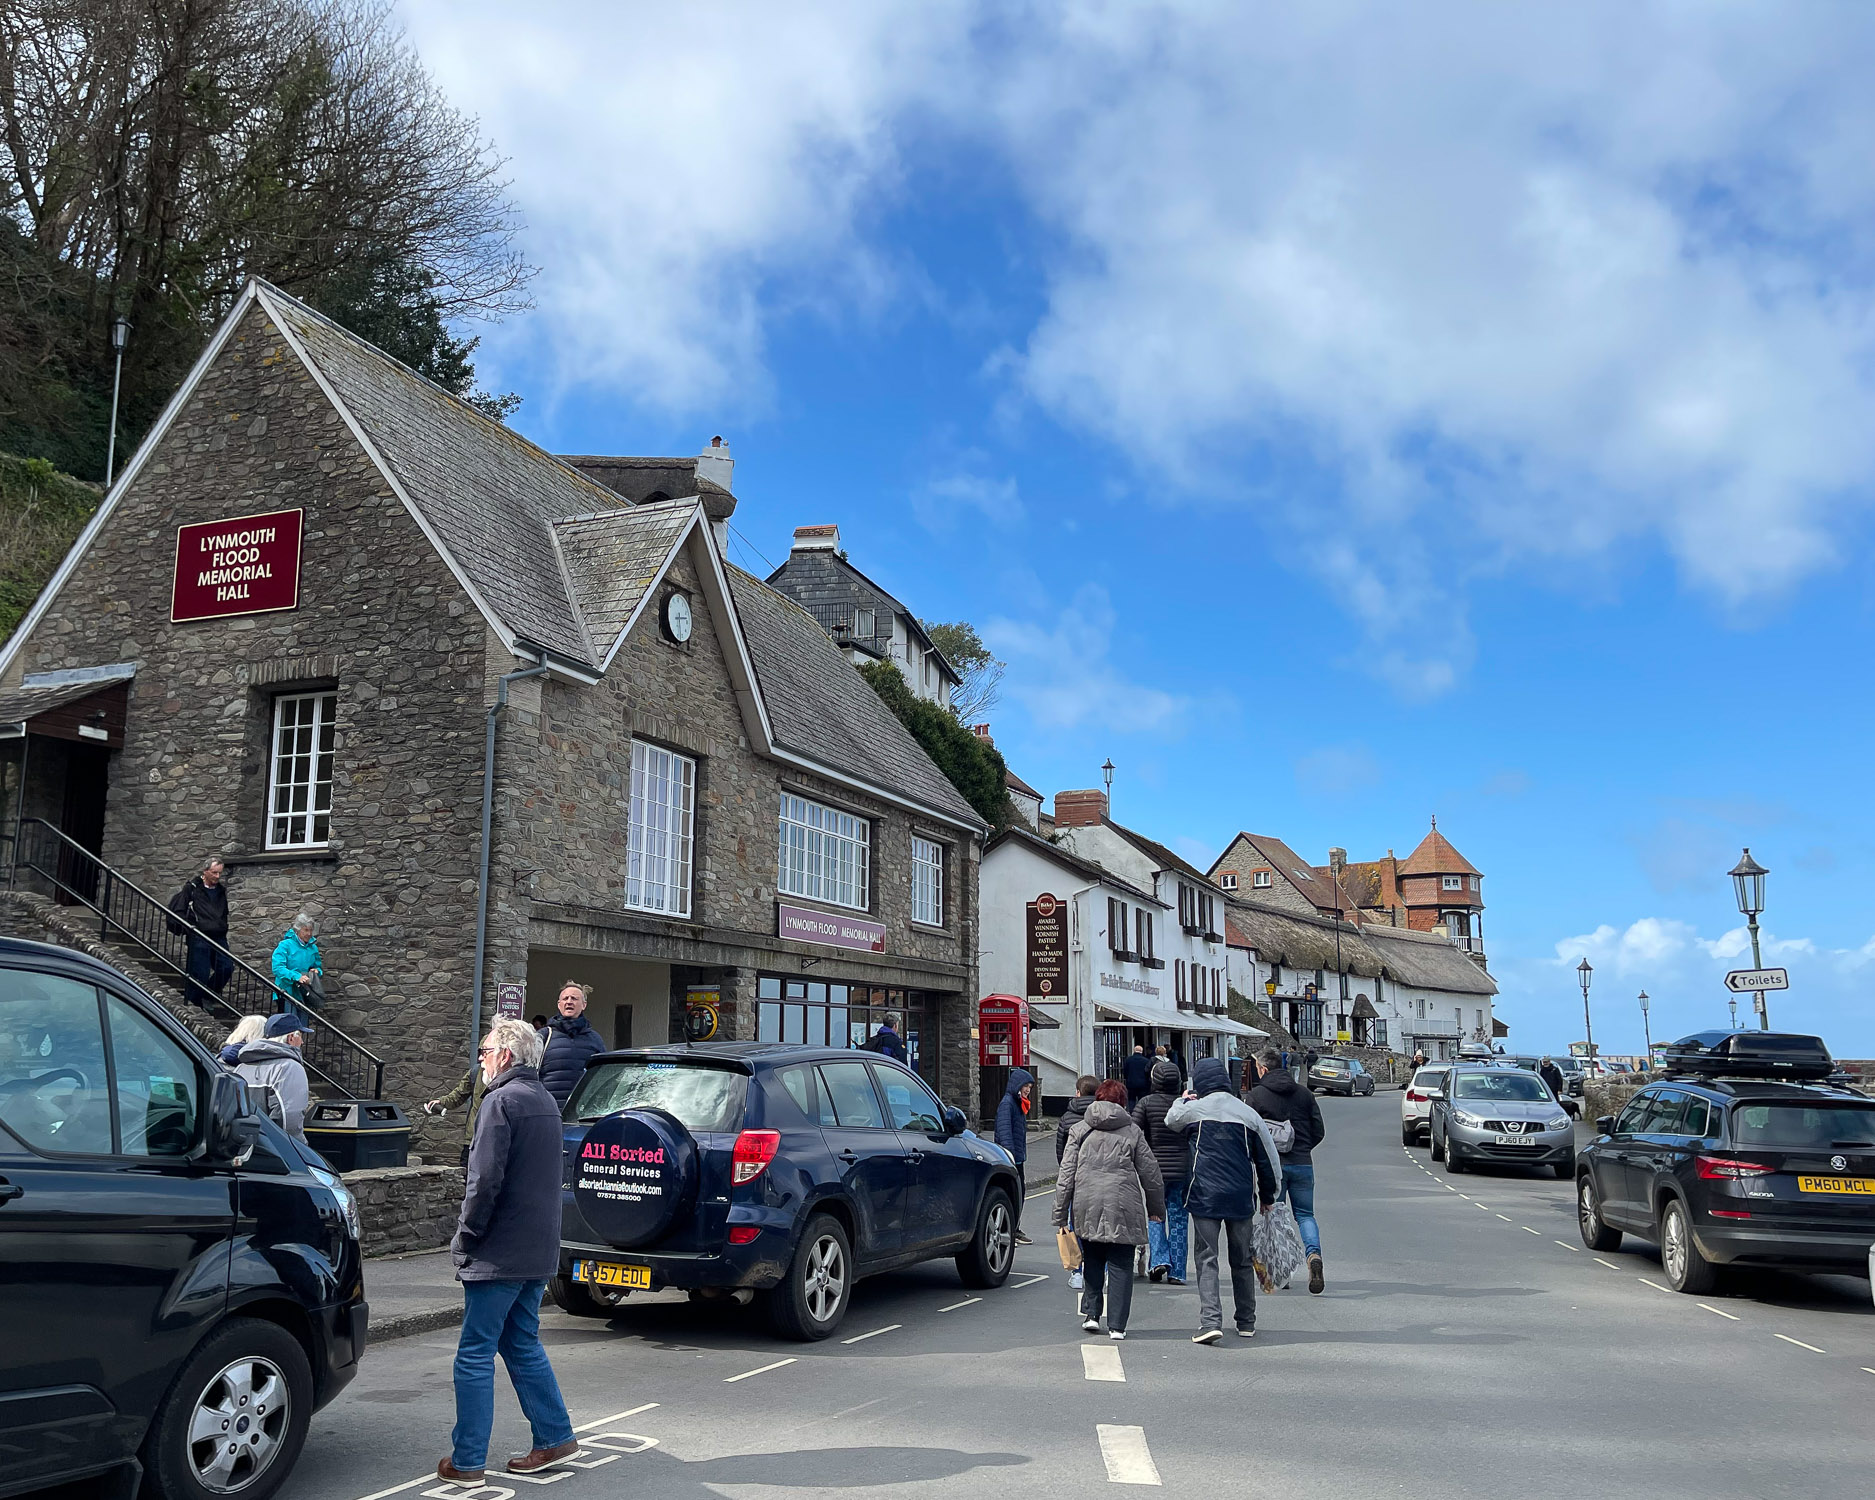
[(120, 336), (1733, 1002), (1583, 971), (1748, 883), (1106, 770), (1647, 1030)]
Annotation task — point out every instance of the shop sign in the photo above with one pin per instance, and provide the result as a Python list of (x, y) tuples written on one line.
[(1048, 949), (830, 929), (510, 999), (244, 565), (702, 1013)]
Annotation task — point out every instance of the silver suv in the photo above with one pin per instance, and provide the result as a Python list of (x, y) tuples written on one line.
[(1501, 1115)]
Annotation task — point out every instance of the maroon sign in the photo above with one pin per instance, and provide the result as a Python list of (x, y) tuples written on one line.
[(245, 565), (1048, 949), (830, 929)]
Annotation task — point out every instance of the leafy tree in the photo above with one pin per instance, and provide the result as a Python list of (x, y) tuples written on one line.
[(972, 765), (982, 673)]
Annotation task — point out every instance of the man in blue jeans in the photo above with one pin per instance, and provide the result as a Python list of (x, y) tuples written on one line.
[(1280, 1097), (507, 1244)]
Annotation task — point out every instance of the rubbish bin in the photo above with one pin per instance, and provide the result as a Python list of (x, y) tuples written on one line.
[(356, 1134)]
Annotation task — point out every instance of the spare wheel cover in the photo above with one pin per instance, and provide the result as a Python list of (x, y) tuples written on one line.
[(636, 1171)]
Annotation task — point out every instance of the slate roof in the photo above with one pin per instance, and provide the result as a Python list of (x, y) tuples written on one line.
[(1436, 856), (1085, 868), (1153, 850), (613, 557), (1316, 890), (822, 708), (1016, 784), (818, 579), (28, 702)]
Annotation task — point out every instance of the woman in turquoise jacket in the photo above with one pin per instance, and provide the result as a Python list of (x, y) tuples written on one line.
[(297, 959)]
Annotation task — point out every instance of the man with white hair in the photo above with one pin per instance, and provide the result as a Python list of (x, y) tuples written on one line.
[(507, 1244)]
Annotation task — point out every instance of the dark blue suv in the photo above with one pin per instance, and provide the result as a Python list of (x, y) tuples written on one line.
[(784, 1172)]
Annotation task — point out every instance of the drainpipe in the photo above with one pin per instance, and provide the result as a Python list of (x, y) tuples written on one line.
[(488, 817)]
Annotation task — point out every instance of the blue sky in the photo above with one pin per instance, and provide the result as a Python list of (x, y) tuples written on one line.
[(1335, 419)]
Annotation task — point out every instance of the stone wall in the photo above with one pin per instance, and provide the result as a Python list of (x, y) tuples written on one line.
[(1605, 1096), (407, 1208)]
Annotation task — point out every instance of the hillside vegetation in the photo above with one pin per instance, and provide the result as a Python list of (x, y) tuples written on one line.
[(41, 513)]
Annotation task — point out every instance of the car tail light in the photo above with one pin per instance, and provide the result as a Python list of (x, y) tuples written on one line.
[(1729, 1213), (755, 1149), (1726, 1168), (744, 1234), (1415, 1097)]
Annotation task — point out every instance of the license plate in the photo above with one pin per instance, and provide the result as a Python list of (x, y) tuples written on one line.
[(606, 1273), (1855, 1186), (1520, 1140)]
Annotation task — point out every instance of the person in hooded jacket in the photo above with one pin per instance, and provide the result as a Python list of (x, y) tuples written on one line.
[(1280, 1097), (1012, 1134), (1111, 1188), (297, 964), (1234, 1170), (247, 1029), (274, 1063), (1171, 1149), (570, 1040), (1075, 1112)]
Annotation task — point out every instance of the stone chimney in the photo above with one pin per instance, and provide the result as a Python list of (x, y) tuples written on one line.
[(715, 464), (1337, 860), (982, 732), (1080, 809), (816, 539)]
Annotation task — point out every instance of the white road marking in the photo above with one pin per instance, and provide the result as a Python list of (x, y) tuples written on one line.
[(411, 1484), (1608, 1263), (1506, 1218), (1102, 1362), (1572, 1249), (955, 1305), (616, 1417), (1128, 1459), (1528, 1230), (1719, 1310), (1044, 1193), (1799, 1343), (1867, 1371), (1030, 1282), (398, 1489), (732, 1379), (860, 1338), (1654, 1284)]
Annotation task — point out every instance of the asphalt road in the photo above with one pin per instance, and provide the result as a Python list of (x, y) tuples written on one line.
[(1467, 1346)]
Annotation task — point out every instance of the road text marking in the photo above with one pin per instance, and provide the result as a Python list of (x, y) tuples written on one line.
[(1128, 1459), (732, 1379), (1102, 1362), (955, 1305), (862, 1337), (1799, 1343), (1719, 1310), (411, 1484)]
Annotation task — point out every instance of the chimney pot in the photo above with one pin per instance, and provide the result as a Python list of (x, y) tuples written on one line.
[(981, 731)]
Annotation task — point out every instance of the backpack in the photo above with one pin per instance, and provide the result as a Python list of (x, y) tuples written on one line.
[(177, 920)]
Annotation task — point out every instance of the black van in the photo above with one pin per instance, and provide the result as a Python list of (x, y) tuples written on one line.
[(180, 1285)]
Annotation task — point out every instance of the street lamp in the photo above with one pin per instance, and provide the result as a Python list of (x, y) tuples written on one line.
[(1748, 882), (1647, 1030), (120, 336), (1106, 770), (1733, 1002), (1583, 971)]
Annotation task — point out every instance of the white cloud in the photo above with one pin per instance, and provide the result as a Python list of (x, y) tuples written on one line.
[(1063, 673), (1336, 771), (939, 503)]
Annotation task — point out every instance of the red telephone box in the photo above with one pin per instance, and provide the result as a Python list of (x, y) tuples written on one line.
[(1003, 1032)]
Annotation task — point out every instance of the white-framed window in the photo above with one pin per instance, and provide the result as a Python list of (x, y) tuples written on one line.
[(927, 881), (1261, 880), (825, 853), (299, 771), (659, 830), (1455, 882), (1230, 880)]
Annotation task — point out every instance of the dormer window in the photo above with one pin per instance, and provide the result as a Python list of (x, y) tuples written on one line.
[(1455, 882), (862, 623)]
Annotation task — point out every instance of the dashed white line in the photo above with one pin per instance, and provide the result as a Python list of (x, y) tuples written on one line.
[(1654, 1284), (1044, 1193), (1128, 1459), (1867, 1371), (1102, 1362), (1528, 1230), (860, 1338), (746, 1374), (1608, 1263), (1507, 1218), (955, 1305), (1719, 1310), (1030, 1282), (616, 1417), (1799, 1343)]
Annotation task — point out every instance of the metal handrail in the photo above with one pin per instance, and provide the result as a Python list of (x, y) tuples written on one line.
[(129, 914)]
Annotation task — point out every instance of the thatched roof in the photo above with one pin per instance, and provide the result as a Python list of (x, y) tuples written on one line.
[(1416, 959)]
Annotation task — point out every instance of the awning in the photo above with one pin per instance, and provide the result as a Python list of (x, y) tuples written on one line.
[(91, 710), (1140, 1014), (1364, 1009)]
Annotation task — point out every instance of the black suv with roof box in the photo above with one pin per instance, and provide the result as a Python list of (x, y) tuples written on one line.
[(784, 1171), (180, 1285), (1738, 1156)]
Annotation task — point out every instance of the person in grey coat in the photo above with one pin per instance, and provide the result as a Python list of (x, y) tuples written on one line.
[(273, 1063), (507, 1244), (1111, 1186)]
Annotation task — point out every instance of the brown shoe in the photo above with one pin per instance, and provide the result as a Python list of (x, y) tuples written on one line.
[(539, 1458), (446, 1470)]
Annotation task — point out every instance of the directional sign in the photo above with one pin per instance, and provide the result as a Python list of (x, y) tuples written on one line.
[(1744, 981)]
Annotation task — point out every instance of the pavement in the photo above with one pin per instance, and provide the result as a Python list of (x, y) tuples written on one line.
[(1467, 1346)]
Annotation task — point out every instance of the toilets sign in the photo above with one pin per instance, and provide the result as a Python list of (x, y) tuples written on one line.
[(245, 565)]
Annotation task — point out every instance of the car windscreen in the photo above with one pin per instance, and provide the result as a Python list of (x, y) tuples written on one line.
[(1428, 1078), (1802, 1125), (1504, 1086), (702, 1099)]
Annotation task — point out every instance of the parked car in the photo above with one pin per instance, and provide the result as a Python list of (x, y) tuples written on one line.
[(784, 1171), (180, 1285), (1573, 1074), (1502, 1115), (1339, 1075), (1718, 1167), (1416, 1103)]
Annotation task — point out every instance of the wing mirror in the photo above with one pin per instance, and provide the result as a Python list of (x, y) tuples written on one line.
[(1604, 1124), (1435, 1093), (954, 1121), (233, 1122)]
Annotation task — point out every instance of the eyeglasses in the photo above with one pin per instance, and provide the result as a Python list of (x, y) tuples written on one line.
[(489, 1051)]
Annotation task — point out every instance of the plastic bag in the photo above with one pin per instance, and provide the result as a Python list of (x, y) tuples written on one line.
[(1276, 1243)]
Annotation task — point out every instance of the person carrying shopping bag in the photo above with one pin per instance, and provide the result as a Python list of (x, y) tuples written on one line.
[(1110, 1185)]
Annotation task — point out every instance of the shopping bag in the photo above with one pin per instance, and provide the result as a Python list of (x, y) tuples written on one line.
[(1069, 1244), (1276, 1244)]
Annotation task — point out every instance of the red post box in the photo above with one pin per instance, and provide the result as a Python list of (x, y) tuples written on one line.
[(1003, 1032)]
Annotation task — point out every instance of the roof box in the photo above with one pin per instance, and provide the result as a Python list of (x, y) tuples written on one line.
[(1749, 1054)]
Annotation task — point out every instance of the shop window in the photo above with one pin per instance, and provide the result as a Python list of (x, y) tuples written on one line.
[(927, 881), (299, 771), (825, 853), (659, 831)]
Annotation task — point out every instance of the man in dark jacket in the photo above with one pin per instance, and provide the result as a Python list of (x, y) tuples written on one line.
[(1280, 1097), (1012, 1133), (1234, 1169), (203, 904), (1076, 1111), (1171, 1149), (1552, 1076), (507, 1244), (570, 1041), (1136, 1074), (887, 1042)]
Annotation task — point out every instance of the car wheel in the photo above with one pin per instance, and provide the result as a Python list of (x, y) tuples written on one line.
[(1564, 1170), (1595, 1233), (993, 1249), (1687, 1270), (812, 1297), (1438, 1146), (1408, 1136), (1453, 1164), (235, 1417), (584, 1301)]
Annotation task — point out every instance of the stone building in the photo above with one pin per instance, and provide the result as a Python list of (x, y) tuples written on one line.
[(296, 617)]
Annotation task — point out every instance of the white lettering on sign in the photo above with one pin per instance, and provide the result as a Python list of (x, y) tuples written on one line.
[(259, 536)]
